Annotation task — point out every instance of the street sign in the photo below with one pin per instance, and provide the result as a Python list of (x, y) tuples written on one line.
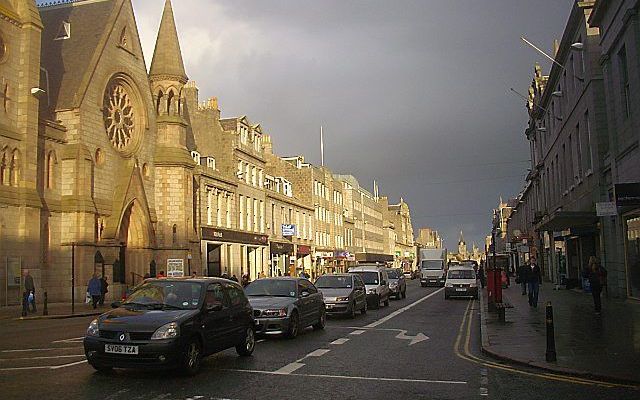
[(175, 267), (288, 230), (606, 209), (627, 194)]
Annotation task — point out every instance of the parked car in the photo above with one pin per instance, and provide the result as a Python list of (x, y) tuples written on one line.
[(376, 283), (174, 322), (343, 294), (397, 284), (286, 305), (461, 282)]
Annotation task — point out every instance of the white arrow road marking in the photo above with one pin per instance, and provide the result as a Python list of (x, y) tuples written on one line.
[(414, 339)]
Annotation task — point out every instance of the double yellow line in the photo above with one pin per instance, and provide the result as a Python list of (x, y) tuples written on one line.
[(462, 350)]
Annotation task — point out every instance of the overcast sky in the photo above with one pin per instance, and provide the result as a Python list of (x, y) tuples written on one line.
[(414, 94)]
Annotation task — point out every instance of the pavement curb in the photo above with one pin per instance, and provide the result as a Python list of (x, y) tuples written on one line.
[(58, 316), (485, 348)]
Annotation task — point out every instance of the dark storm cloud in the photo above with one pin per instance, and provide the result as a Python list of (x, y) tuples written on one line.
[(413, 94)]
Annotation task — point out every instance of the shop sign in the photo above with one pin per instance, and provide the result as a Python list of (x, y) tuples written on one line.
[(288, 230), (627, 194), (175, 267), (224, 235), (606, 209), (341, 254), (281, 248), (304, 250), (324, 254)]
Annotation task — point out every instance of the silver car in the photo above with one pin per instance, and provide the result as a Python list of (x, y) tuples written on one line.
[(343, 294)]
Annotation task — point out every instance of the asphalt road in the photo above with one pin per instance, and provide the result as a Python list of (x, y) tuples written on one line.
[(382, 355)]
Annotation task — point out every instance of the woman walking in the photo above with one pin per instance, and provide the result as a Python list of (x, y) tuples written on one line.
[(597, 278)]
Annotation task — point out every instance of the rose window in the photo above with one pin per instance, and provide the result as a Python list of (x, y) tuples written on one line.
[(119, 116)]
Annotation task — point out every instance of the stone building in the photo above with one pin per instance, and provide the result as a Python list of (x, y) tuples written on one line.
[(429, 238), (397, 218)]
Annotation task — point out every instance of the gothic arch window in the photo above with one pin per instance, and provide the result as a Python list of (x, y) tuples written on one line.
[(3, 48), (51, 163), (175, 234), (124, 40), (3, 168), (14, 169), (159, 101), (170, 96)]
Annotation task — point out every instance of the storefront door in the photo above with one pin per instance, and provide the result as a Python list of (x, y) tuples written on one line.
[(632, 250)]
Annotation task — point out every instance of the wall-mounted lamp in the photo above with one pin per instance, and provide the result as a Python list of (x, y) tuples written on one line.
[(557, 93), (578, 46)]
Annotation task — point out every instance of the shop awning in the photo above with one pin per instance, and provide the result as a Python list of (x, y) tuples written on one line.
[(562, 220)]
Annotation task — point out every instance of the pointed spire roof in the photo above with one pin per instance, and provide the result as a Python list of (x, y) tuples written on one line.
[(167, 57), (461, 238)]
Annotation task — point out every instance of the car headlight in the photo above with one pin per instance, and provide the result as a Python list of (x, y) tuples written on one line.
[(448, 284), (475, 284), (167, 331), (342, 298), (93, 330), (372, 291), (281, 312)]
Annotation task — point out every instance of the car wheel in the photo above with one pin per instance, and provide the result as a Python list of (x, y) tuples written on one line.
[(245, 348), (294, 326), (364, 308), (322, 322), (353, 310), (101, 368), (191, 357)]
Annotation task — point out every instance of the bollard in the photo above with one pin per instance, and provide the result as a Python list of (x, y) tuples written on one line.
[(551, 340), (24, 304), (45, 310)]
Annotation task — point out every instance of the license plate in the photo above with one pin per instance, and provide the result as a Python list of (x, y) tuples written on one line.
[(461, 290), (432, 280), (120, 349)]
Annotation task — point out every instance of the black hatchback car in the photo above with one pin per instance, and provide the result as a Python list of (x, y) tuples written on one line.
[(172, 323)]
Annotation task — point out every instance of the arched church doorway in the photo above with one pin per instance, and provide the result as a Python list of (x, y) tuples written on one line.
[(135, 236)]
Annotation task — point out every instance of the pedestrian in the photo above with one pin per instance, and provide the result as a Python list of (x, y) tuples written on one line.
[(534, 280), (94, 288), (245, 280), (522, 276), (597, 279), (224, 275), (481, 274), (160, 275), (234, 278), (194, 274), (104, 289), (279, 273), (29, 293)]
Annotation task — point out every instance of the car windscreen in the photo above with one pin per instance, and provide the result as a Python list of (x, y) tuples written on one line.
[(431, 264), (167, 294), (393, 274), (369, 277), (272, 287), (334, 282), (461, 274)]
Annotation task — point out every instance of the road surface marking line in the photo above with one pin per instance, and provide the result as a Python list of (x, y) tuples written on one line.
[(71, 340), (42, 357), (47, 349), (366, 378), (22, 368), (467, 318), (358, 332), (340, 341), (318, 353), (261, 340), (484, 391), (400, 311), (68, 365), (368, 329), (289, 368)]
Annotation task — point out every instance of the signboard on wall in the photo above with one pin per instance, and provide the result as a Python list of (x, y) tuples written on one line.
[(627, 194), (606, 209), (288, 230), (175, 267)]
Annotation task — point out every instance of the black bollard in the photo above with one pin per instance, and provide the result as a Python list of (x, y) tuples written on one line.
[(551, 340), (24, 304), (45, 310)]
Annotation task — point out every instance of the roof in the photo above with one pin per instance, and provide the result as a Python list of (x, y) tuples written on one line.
[(167, 57), (68, 61)]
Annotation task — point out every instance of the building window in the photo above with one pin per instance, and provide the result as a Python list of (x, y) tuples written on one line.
[(209, 201), (578, 150), (624, 81), (196, 157), (211, 162), (261, 216), (588, 153), (248, 214), (175, 234), (219, 209), (228, 211), (51, 161), (254, 176), (241, 212)]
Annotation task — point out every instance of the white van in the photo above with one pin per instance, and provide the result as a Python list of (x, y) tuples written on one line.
[(461, 282), (376, 282)]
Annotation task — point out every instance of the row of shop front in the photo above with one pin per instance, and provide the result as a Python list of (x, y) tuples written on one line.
[(231, 252)]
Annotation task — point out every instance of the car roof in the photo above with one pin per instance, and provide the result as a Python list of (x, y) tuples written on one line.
[(281, 278), (336, 274), (460, 267), (200, 279), (366, 268)]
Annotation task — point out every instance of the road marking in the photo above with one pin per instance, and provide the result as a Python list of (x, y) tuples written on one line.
[(41, 357), (365, 378), (47, 349), (403, 309), (484, 382), (288, 369), (318, 353), (467, 320), (358, 332), (340, 341), (260, 341), (72, 340), (414, 339), (69, 365)]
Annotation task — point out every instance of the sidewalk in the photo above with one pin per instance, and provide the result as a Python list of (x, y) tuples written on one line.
[(56, 310), (605, 346)]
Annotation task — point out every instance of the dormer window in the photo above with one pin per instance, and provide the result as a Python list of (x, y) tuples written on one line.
[(211, 162), (196, 157), (64, 32)]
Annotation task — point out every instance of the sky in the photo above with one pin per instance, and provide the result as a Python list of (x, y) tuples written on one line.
[(413, 94)]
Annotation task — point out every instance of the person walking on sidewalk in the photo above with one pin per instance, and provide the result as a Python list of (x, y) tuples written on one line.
[(534, 280), (104, 289), (597, 276), (29, 292), (95, 289), (522, 276)]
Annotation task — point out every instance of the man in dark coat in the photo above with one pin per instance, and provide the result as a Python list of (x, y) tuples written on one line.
[(522, 276), (534, 280)]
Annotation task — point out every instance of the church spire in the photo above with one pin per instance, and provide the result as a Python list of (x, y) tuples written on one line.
[(167, 58), (461, 238)]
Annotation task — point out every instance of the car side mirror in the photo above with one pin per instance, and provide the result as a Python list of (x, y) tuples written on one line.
[(214, 307), (116, 304), (304, 294)]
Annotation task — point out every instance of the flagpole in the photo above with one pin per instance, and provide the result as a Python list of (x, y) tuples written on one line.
[(321, 147)]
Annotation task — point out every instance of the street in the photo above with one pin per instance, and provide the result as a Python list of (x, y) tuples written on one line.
[(422, 347)]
